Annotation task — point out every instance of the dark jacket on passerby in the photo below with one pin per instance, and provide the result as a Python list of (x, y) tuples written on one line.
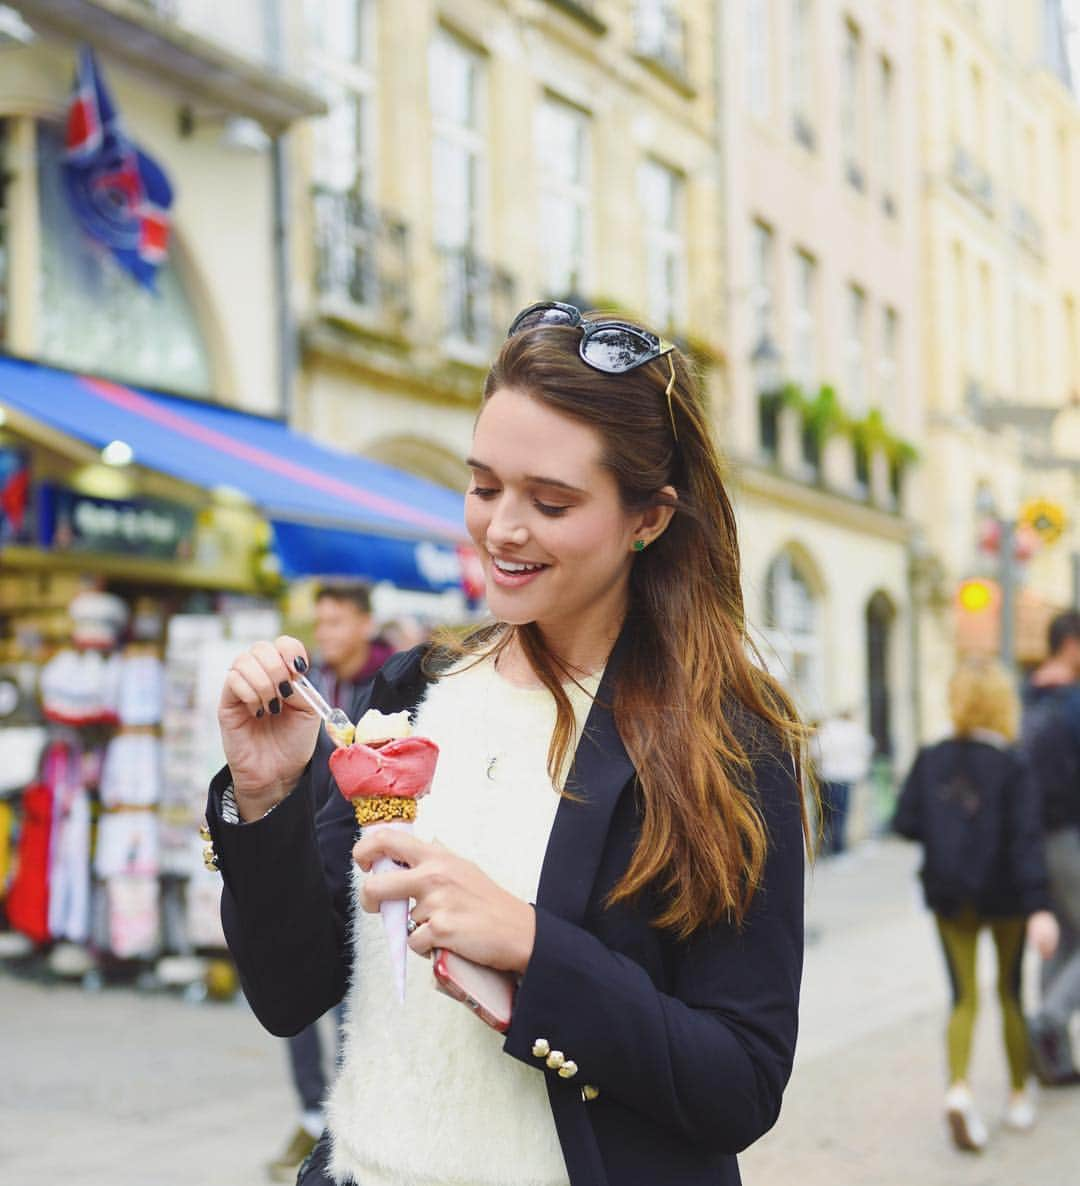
[(1051, 744), (971, 804)]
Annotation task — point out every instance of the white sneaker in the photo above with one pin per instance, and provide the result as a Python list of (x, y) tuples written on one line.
[(965, 1123), (1020, 1114)]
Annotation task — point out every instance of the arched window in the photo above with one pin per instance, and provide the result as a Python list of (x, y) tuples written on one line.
[(793, 632), (880, 614), (94, 317)]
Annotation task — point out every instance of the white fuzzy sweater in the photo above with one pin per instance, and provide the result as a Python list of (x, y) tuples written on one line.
[(425, 1095)]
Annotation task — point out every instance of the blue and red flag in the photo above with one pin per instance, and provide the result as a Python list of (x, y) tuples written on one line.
[(119, 195)]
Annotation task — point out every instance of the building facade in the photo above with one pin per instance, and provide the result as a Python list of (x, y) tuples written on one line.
[(822, 215), (479, 156), (1000, 271)]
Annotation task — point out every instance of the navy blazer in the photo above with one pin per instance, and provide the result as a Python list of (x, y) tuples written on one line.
[(689, 1044)]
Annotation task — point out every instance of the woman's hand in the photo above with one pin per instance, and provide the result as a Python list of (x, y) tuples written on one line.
[(268, 733), (457, 905), (1043, 933)]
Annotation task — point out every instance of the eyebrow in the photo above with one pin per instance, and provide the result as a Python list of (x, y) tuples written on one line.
[(536, 479)]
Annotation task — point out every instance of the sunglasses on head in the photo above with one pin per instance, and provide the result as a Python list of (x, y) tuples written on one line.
[(611, 346)]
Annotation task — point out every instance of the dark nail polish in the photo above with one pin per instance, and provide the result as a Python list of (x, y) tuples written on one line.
[(261, 713), (274, 706), (300, 664), (285, 688)]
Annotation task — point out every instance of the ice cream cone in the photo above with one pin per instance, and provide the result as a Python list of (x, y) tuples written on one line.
[(383, 781)]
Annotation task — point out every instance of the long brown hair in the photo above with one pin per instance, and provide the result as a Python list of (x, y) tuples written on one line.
[(688, 673)]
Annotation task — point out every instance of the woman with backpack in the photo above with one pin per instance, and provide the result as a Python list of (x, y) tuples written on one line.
[(617, 819), (969, 801)]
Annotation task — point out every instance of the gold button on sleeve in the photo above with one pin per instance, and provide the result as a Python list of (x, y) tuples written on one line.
[(589, 1092), (541, 1048), (556, 1059), (568, 1070)]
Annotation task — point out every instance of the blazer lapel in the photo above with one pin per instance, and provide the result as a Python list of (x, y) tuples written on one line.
[(601, 770)]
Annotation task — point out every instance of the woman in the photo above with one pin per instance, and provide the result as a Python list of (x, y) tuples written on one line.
[(969, 801), (651, 912)]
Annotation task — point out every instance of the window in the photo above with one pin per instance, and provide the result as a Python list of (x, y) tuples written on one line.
[(948, 73), (1030, 181), (758, 53), (1064, 176), (984, 344), (804, 322), (563, 142), (793, 632), (5, 179), (343, 65), (802, 72), (960, 308), (347, 226), (91, 316), (885, 136), (662, 202), (977, 115), (888, 367), (851, 129), (1072, 346), (458, 157), (855, 351), (762, 281), (660, 33)]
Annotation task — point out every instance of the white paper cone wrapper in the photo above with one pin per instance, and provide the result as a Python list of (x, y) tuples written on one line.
[(395, 915)]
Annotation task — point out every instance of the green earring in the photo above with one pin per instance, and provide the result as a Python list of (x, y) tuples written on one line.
[(639, 545)]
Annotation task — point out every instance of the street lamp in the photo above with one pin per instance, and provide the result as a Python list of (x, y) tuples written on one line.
[(1005, 533)]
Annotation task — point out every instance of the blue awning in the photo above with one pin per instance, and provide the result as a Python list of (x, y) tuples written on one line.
[(332, 513)]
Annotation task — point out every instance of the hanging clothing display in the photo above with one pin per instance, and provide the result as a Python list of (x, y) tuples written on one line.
[(69, 854), (28, 899)]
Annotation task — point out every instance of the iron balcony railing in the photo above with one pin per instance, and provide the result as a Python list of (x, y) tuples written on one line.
[(477, 299), (363, 255)]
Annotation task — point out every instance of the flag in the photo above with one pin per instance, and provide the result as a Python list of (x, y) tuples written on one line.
[(119, 195)]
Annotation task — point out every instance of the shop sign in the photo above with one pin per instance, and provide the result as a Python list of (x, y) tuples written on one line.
[(148, 527)]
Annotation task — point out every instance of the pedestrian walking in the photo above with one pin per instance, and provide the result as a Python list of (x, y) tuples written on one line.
[(1051, 740), (618, 808), (350, 654), (841, 750), (970, 803)]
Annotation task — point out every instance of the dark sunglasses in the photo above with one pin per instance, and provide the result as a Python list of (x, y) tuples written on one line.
[(611, 346)]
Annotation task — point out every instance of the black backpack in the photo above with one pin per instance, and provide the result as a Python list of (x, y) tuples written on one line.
[(1050, 740)]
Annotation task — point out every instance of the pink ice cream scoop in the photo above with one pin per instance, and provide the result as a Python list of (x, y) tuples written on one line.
[(383, 780), (401, 769)]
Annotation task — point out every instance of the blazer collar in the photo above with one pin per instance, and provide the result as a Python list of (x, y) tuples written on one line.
[(600, 771)]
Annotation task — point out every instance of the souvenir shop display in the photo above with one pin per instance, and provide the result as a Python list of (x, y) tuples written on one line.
[(110, 736)]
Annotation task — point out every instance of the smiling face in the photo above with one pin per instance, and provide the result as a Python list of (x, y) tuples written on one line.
[(546, 518)]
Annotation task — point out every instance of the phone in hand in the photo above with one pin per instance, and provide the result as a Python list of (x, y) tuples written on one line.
[(487, 992)]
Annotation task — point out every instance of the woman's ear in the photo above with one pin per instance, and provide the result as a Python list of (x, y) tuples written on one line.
[(653, 521)]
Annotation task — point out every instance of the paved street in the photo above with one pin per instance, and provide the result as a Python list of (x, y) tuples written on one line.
[(123, 1089)]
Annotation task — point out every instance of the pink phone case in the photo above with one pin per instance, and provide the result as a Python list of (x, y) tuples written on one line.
[(487, 992)]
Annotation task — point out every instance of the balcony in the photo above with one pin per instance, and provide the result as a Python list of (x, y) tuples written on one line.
[(363, 260), (802, 130), (1028, 230), (583, 11), (208, 65), (477, 302), (971, 178)]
